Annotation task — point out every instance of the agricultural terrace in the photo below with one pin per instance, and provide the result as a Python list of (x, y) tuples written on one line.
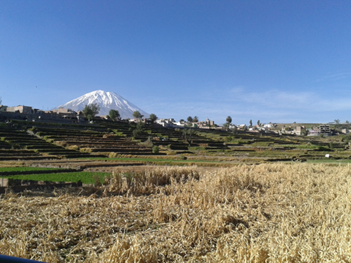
[(277, 212), (154, 144)]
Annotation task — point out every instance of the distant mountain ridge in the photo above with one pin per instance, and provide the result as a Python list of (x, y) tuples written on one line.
[(106, 101)]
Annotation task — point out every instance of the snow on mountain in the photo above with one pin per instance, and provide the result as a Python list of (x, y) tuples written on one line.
[(106, 101)]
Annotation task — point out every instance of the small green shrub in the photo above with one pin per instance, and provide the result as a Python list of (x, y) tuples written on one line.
[(155, 149), (182, 157), (228, 138), (322, 148), (136, 132)]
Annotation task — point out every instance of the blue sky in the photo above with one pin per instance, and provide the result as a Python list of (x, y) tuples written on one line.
[(273, 61)]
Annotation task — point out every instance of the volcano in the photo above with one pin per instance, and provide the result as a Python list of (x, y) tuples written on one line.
[(106, 101)]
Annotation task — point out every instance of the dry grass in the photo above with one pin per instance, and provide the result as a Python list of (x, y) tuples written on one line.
[(73, 147), (257, 213), (86, 150), (60, 143)]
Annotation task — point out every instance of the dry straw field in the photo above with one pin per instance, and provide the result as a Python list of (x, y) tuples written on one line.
[(250, 213)]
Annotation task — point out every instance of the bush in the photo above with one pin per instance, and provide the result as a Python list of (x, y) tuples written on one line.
[(147, 143), (136, 132), (322, 148), (228, 138), (155, 149), (182, 157)]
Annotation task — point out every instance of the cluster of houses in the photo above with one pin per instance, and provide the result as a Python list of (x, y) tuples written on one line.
[(321, 130), (210, 124), (30, 114), (66, 115), (171, 123)]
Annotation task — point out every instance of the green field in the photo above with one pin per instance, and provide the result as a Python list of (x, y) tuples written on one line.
[(161, 161), (84, 177), (24, 169)]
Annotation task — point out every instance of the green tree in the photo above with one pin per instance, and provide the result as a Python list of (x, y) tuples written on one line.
[(196, 119), (250, 123), (304, 132), (228, 120), (181, 120), (153, 118), (114, 114), (138, 129), (347, 122), (190, 119), (91, 110), (258, 123), (225, 126), (155, 149), (137, 115), (337, 121), (188, 135)]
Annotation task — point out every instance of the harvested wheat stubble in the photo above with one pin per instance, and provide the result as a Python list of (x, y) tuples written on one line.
[(262, 213)]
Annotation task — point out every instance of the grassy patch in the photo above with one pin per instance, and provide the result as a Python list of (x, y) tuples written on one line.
[(24, 169), (84, 177)]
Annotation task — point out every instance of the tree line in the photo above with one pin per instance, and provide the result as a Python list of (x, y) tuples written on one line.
[(91, 110)]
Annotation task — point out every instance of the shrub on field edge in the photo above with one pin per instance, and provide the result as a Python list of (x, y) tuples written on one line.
[(155, 149), (147, 143)]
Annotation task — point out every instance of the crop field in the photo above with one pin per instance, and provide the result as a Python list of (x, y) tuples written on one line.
[(275, 212), (23, 169), (84, 177)]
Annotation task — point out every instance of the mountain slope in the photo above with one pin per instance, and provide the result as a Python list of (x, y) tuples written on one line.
[(106, 101)]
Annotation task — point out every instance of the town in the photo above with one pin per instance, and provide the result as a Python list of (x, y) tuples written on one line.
[(63, 115)]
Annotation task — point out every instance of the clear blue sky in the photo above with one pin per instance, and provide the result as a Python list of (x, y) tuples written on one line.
[(273, 61)]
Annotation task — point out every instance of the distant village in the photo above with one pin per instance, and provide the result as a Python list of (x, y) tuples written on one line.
[(63, 115)]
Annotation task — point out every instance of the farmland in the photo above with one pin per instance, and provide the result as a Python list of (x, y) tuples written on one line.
[(267, 212), (219, 197), (84, 177)]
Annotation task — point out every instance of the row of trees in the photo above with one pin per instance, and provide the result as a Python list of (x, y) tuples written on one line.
[(191, 119), (91, 110), (229, 121)]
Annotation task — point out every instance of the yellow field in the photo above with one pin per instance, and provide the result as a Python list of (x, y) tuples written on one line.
[(258, 213)]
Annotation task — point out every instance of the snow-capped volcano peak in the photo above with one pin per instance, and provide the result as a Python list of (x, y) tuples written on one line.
[(107, 101)]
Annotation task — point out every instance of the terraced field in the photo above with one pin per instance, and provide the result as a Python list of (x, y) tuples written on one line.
[(111, 140), (24, 145)]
